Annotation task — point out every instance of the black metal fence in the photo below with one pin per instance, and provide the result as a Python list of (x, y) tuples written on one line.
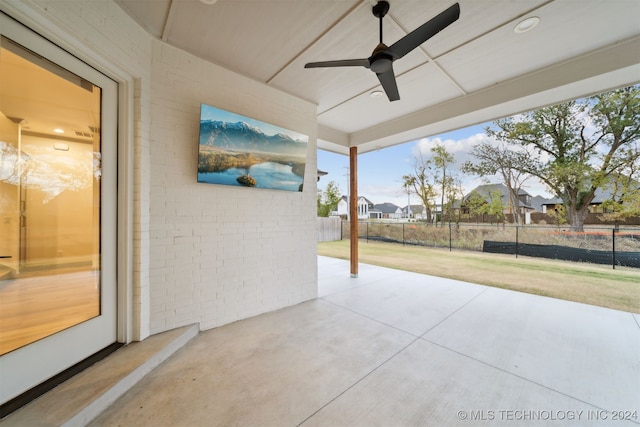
[(613, 246)]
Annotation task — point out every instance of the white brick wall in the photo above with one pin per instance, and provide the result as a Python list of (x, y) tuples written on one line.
[(202, 253), (218, 253)]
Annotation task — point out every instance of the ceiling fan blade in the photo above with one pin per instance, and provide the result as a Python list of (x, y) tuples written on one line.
[(388, 82), (424, 32), (340, 63)]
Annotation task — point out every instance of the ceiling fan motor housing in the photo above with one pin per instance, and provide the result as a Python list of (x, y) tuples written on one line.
[(381, 64), (380, 61)]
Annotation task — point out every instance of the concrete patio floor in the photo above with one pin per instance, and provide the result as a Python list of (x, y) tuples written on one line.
[(393, 348)]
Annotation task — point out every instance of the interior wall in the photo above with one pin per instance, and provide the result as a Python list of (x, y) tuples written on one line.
[(59, 203), (222, 253)]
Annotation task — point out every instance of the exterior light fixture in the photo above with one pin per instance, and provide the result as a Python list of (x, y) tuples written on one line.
[(527, 24), (58, 130)]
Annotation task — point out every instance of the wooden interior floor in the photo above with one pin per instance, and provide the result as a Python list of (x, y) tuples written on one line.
[(38, 305)]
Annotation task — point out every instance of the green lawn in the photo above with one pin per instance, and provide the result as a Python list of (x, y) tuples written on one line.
[(586, 283)]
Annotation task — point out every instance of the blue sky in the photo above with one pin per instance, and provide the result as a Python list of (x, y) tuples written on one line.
[(380, 172)]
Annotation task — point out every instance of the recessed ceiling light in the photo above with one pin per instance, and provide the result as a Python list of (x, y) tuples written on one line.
[(209, 1), (58, 130), (376, 94), (526, 25)]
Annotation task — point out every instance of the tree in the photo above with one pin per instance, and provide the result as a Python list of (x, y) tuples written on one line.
[(580, 145), (479, 205), (421, 183), (625, 193), (455, 193), (502, 160), (626, 204), (442, 160), (476, 204), (328, 199), (407, 186), (495, 206), (558, 214)]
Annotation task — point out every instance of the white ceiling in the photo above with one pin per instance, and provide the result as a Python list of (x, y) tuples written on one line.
[(475, 70)]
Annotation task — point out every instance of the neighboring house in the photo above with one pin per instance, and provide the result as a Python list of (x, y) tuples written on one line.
[(538, 202), (375, 213), (364, 206), (386, 211), (420, 212), (343, 207), (487, 190), (601, 195), (414, 211)]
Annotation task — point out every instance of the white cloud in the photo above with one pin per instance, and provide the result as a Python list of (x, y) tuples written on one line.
[(392, 193), (459, 148)]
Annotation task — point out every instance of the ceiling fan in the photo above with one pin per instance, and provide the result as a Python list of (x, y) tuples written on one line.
[(381, 60)]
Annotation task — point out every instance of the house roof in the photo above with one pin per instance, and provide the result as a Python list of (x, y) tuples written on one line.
[(414, 208), (486, 190), (601, 195), (369, 202), (386, 207), (538, 201)]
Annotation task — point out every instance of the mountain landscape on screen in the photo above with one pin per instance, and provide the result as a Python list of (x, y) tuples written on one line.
[(242, 136)]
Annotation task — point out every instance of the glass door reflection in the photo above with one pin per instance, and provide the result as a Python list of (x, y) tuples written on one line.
[(49, 198)]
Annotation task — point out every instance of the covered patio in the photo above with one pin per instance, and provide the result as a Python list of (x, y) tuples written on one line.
[(389, 348)]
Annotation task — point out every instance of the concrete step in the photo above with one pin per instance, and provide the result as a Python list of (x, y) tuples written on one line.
[(82, 398)]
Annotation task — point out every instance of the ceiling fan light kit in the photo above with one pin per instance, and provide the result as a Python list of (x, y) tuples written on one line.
[(381, 60)]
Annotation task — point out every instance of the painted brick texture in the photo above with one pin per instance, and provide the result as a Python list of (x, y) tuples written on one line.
[(217, 253)]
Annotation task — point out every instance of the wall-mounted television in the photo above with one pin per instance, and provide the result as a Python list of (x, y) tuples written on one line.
[(241, 151)]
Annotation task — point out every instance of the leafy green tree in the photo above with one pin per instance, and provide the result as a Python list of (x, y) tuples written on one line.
[(580, 145), (625, 195), (479, 205), (421, 182), (442, 162), (407, 186), (328, 199), (508, 163), (476, 204), (495, 206), (558, 214), (455, 194)]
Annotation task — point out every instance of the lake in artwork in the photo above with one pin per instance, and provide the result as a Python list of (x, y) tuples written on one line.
[(239, 151), (267, 175)]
